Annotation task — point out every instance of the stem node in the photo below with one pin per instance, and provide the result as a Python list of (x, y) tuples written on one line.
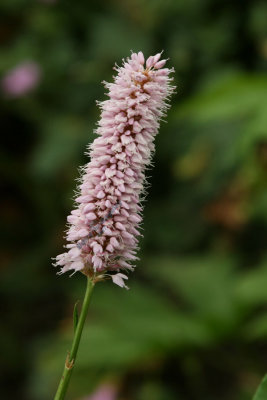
[(69, 364)]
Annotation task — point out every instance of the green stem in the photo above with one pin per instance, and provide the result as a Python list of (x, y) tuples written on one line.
[(69, 364)]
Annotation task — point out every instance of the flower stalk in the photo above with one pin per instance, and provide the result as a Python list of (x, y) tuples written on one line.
[(71, 357)]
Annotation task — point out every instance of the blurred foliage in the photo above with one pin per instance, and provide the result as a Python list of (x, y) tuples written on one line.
[(262, 390), (194, 324)]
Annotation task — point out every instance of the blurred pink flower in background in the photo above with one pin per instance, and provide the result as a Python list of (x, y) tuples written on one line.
[(21, 79), (105, 391)]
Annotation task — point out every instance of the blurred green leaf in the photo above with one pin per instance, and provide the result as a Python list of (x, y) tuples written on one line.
[(261, 393), (251, 287), (62, 139)]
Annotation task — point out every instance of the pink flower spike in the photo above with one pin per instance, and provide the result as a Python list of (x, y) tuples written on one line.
[(160, 64), (141, 57), (104, 226), (149, 62), (89, 207), (157, 57), (90, 216), (118, 279)]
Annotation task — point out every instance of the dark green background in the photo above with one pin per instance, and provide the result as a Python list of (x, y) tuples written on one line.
[(194, 324)]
